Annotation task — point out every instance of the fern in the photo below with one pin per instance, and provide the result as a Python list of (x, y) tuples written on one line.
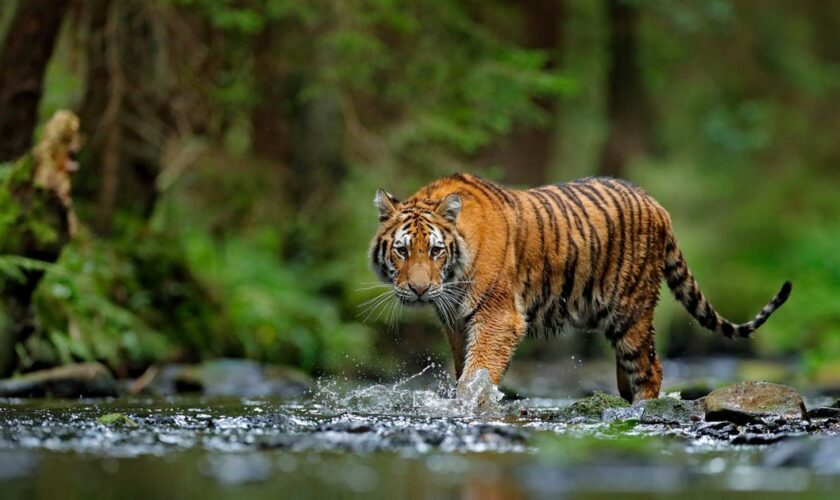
[(13, 267)]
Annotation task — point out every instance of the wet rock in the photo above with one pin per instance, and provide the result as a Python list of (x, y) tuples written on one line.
[(349, 427), (230, 377), (717, 430), (750, 401), (827, 412), (666, 410), (622, 414), (83, 380), (591, 408), (756, 439)]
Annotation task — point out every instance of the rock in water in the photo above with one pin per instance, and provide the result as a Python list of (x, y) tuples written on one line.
[(83, 380), (750, 401), (666, 410), (596, 407)]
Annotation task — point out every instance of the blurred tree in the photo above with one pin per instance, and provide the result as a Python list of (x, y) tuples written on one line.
[(628, 109), (127, 107), (528, 152), (23, 60)]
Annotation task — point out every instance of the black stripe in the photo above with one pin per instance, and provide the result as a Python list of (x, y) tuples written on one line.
[(610, 228), (571, 258), (622, 227), (594, 240)]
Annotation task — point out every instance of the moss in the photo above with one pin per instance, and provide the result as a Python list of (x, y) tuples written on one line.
[(30, 217), (592, 407), (117, 419)]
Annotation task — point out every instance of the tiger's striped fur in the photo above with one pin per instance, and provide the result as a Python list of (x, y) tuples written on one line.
[(500, 263)]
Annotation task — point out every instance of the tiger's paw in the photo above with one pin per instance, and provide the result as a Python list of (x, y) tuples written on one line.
[(479, 392)]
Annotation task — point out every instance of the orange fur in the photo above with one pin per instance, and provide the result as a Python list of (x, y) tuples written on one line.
[(587, 255)]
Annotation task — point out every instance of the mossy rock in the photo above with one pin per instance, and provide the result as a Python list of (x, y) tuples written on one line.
[(117, 420), (591, 408), (667, 410)]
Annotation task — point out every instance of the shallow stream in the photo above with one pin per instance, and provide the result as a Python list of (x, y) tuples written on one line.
[(409, 438)]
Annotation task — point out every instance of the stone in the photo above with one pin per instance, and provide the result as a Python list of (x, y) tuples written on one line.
[(666, 410), (82, 380), (758, 438), (827, 412), (751, 401), (591, 408)]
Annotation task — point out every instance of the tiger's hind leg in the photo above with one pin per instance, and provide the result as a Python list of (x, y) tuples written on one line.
[(638, 370)]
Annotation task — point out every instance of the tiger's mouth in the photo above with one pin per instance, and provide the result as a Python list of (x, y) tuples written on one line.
[(410, 297)]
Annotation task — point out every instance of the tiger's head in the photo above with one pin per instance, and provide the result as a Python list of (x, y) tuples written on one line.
[(418, 248)]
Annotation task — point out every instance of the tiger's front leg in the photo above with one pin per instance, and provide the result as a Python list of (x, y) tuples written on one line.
[(491, 339)]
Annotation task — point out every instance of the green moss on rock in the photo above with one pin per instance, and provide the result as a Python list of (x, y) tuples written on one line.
[(591, 408), (117, 419)]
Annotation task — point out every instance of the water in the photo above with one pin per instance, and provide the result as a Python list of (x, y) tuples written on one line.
[(409, 438)]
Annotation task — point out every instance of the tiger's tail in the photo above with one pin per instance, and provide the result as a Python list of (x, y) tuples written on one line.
[(687, 292)]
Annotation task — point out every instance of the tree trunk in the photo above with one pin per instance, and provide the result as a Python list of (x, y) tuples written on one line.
[(121, 97), (23, 61), (269, 119), (628, 110), (528, 151)]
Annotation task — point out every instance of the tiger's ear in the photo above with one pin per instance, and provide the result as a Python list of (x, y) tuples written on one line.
[(385, 203), (449, 207)]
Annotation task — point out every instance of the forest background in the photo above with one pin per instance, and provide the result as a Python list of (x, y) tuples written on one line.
[(232, 149)]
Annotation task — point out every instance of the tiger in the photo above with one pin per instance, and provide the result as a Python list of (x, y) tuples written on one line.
[(499, 264)]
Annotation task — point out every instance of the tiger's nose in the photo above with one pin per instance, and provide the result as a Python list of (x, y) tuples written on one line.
[(418, 290)]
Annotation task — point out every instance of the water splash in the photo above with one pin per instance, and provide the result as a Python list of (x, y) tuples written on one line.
[(427, 393), (480, 393)]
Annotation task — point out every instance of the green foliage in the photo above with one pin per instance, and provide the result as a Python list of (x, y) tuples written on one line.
[(276, 311), (26, 219), (13, 267), (89, 308), (239, 259), (117, 420)]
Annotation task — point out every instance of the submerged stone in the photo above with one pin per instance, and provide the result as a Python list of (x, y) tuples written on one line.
[(592, 408), (82, 380), (751, 401)]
